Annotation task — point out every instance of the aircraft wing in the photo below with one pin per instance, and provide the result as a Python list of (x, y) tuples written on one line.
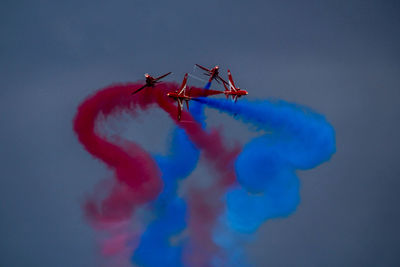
[(234, 98), (232, 86), (226, 88), (183, 85), (203, 68), (222, 80), (230, 78), (140, 89), (162, 76), (180, 104)]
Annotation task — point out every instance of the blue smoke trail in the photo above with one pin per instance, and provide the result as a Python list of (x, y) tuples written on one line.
[(157, 246), (297, 138), (303, 138)]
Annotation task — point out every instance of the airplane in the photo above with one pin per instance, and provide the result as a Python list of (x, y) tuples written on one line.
[(213, 73), (151, 81), (180, 96), (233, 91)]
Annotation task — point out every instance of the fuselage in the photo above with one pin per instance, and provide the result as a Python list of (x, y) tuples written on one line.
[(238, 92), (175, 95), (180, 98), (150, 81), (214, 72)]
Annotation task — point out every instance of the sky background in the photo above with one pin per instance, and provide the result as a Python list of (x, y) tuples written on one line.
[(341, 58)]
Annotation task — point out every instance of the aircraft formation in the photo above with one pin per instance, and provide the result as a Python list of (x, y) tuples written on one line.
[(181, 94)]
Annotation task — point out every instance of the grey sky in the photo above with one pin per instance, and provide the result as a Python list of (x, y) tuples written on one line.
[(340, 58)]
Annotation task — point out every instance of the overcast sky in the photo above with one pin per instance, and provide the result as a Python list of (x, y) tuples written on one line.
[(341, 58)]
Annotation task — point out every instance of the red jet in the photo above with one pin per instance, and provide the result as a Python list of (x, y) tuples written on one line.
[(180, 96), (151, 81), (233, 91), (213, 73)]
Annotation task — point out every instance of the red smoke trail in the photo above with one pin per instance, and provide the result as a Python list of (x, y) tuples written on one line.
[(137, 174)]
